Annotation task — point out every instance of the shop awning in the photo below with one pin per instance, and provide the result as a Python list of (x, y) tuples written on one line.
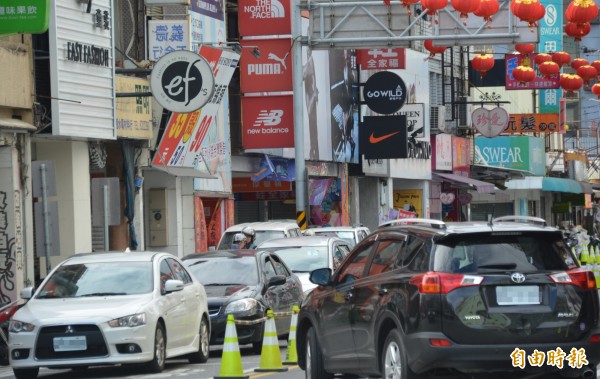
[(16, 125), (550, 184), (478, 185)]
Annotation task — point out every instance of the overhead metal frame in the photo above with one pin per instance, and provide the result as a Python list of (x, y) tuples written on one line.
[(371, 23)]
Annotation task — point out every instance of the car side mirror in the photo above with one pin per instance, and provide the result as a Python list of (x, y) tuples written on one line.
[(27, 293), (320, 276), (276, 280), (173, 285)]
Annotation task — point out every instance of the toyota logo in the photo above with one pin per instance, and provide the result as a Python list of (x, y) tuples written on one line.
[(517, 277)]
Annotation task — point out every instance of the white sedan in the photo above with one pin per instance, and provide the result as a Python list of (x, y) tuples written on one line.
[(304, 254), (111, 308)]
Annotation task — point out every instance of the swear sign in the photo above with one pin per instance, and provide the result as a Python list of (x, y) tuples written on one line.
[(490, 122)]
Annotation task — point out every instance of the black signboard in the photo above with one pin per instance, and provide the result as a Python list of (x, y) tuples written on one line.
[(384, 92), (383, 137)]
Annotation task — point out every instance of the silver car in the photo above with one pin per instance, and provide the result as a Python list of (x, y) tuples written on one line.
[(353, 234), (304, 254)]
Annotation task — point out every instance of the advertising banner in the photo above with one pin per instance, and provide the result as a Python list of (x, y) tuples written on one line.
[(264, 17), (521, 153), (551, 41), (134, 114), (165, 36), (325, 201), (271, 71), (248, 185), (442, 152), (267, 122), (200, 231), (381, 59), (533, 123), (196, 141), (211, 8), (540, 82), (461, 156), (205, 29), (24, 16)]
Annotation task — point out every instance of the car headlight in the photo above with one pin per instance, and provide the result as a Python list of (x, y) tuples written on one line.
[(128, 321), (243, 305), (17, 326)]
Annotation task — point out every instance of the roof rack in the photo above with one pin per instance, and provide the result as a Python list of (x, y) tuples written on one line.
[(525, 219), (416, 221)]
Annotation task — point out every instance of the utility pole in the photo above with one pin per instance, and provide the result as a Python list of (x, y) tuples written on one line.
[(298, 115)]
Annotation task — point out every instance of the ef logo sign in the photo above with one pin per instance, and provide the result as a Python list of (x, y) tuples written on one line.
[(182, 81)]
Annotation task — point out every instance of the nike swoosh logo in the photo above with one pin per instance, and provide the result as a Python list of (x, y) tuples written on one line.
[(374, 139)]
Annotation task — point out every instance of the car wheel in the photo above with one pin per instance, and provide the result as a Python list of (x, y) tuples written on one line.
[(4, 361), (26, 373), (394, 361), (202, 355), (314, 358), (158, 363), (257, 347)]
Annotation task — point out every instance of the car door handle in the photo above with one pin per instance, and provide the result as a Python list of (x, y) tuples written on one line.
[(383, 291), (348, 296)]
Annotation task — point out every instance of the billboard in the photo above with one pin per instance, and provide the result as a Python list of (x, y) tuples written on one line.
[(271, 71), (267, 122)]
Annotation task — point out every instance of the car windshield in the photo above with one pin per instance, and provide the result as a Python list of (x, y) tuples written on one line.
[(98, 279), (348, 236), (526, 252), (303, 258), (225, 270), (261, 236)]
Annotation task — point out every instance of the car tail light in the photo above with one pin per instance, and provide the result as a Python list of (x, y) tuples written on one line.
[(435, 283), (595, 338), (580, 278), (439, 342)]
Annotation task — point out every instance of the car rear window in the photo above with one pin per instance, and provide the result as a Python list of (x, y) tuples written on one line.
[(525, 252)]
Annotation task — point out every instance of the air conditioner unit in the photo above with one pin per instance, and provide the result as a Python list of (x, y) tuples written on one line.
[(556, 142), (464, 112), (437, 118)]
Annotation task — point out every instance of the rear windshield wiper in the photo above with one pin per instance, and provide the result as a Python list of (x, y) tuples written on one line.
[(507, 266)]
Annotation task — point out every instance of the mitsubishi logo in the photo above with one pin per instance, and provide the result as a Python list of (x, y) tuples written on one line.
[(69, 330), (517, 277)]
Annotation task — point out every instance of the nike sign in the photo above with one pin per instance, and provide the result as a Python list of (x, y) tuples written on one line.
[(374, 139)]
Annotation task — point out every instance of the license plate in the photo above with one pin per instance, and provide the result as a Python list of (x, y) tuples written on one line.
[(517, 295), (70, 343)]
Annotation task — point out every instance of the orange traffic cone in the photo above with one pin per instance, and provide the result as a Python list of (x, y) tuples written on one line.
[(270, 357), (291, 355), (231, 360)]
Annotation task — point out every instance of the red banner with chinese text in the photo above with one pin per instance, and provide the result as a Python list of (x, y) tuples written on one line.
[(200, 232)]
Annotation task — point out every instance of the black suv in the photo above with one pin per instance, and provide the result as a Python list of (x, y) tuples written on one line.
[(421, 296)]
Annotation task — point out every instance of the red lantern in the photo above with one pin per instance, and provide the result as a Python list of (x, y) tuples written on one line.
[(561, 57), (597, 65), (465, 7), (406, 3), (487, 8), (433, 6), (549, 68), (523, 74), (483, 63), (587, 73), (433, 50), (529, 11), (596, 89), (570, 82), (581, 11), (577, 30), (578, 62), (541, 58), (525, 48)]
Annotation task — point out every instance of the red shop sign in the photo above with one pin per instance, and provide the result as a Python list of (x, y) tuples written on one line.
[(272, 71), (267, 122)]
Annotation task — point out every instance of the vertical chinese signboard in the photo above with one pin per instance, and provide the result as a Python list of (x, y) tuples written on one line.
[(551, 42)]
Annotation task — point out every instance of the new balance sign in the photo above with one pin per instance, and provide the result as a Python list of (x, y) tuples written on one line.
[(267, 122)]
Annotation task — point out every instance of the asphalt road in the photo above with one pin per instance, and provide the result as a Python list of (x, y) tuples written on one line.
[(175, 368)]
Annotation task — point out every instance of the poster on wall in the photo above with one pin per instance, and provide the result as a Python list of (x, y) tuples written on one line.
[(325, 201), (409, 201), (200, 231)]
